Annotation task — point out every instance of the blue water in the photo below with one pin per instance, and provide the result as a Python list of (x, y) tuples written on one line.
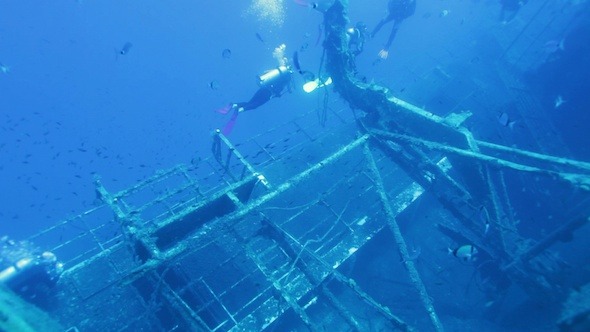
[(73, 107)]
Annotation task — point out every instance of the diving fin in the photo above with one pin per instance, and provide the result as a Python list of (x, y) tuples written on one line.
[(315, 84)]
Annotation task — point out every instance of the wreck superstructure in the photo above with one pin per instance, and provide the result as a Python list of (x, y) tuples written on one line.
[(268, 234)]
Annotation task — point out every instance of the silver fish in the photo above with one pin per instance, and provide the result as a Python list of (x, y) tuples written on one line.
[(505, 121), (4, 69), (484, 217), (465, 252), (559, 101), (126, 48)]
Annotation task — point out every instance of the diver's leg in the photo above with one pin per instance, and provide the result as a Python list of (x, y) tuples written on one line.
[(387, 19), (260, 98), (384, 53), (392, 34)]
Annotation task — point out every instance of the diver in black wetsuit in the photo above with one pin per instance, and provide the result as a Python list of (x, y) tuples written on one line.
[(398, 10), (356, 38), (273, 83)]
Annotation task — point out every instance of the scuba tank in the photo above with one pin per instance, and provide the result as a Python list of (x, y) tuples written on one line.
[(273, 76)]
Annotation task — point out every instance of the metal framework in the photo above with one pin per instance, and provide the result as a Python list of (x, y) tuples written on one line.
[(262, 250), (269, 240), (240, 242)]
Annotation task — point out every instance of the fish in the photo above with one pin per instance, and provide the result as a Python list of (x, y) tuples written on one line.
[(559, 101), (126, 48), (505, 121), (319, 5), (484, 217), (553, 46), (214, 85), (4, 69), (413, 254), (444, 13), (259, 37), (304, 47), (465, 252)]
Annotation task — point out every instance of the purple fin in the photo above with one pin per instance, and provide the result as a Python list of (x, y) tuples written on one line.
[(225, 109), (229, 126)]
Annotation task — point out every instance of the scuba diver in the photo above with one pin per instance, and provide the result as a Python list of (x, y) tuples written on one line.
[(397, 11), (26, 270), (273, 83), (356, 38)]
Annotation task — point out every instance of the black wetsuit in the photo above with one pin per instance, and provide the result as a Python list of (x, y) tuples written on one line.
[(356, 43), (398, 10), (267, 91), (401, 9), (271, 86)]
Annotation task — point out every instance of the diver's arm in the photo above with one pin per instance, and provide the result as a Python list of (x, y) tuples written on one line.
[(287, 87), (379, 26)]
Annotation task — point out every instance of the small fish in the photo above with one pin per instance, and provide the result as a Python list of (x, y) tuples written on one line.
[(505, 121), (553, 46), (444, 13), (126, 48), (214, 85), (484, 217), (259, 37), (4, 69), (559, 101), (465, 252), (226, 54), (413, 254)]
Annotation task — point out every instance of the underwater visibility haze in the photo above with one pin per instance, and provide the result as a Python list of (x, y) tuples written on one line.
[(295, 165)]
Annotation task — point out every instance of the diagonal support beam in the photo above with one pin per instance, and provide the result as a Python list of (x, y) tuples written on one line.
[(401, 242)]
